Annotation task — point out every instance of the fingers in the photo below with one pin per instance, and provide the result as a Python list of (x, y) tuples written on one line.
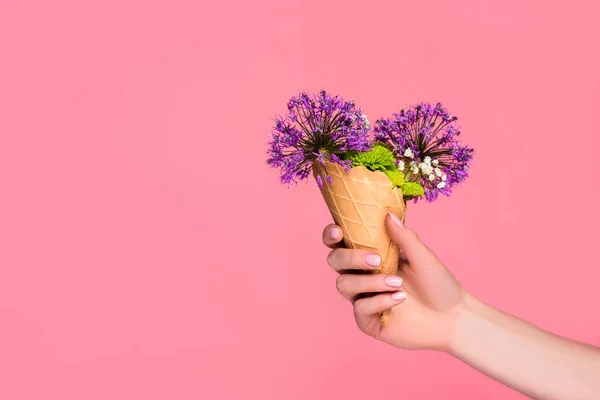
[(409, 242), (367, 308), (332, 236), (350, 286), (349, 259)]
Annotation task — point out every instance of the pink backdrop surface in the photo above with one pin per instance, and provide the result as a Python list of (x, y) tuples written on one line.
[(147, 252)]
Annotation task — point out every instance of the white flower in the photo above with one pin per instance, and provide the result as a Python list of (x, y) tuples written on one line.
[(441, 185), (401, 165), (413, 164), (444, 177), (438, 172), (365, 120), (414, 167), (425, 168), (427, 160), (431, 177), (408, 153), (435, 162)]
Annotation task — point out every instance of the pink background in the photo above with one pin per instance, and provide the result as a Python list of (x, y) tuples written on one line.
[(147, 252)]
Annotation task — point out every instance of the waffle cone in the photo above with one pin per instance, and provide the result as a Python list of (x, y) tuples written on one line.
[(359, 201)]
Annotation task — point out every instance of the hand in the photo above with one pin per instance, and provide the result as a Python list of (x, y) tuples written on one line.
[(425, 297), (431, 311)]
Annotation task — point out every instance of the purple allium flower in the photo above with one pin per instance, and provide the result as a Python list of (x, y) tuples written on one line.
[(424, 138), (317, 128)]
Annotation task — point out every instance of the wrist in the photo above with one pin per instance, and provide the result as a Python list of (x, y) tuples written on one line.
[(448, 328), (468, 311)]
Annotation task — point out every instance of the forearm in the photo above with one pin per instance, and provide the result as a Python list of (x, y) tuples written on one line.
[(532, 361)]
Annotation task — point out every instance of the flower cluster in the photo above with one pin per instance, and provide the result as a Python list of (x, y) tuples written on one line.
[(424, 141), (316, 129), (426, 156)]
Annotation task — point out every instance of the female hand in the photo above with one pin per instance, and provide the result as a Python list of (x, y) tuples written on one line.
[(431, 311), (425, 297)]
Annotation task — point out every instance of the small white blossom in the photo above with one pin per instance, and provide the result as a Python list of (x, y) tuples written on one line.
[(431, 177), (427, 160), (365, 120), (441, 185), (444, 177), (438, 172), (414, 167), (435, 162), (401, 165), (427, 169), (408, 153)]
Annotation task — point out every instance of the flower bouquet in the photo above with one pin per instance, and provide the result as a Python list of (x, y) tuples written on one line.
[(364, 173)]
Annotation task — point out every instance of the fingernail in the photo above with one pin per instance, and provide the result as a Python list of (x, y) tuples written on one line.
[(373, 260), (393, 281), (396, 220), (333, 233), (401, 295)]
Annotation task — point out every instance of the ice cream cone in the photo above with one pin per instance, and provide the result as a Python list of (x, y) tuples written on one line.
[(359, 201)]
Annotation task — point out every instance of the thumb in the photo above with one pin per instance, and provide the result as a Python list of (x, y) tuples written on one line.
[(409, 242)]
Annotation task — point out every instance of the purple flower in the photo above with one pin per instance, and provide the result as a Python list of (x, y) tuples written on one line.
[(316, 128), (424, 138)]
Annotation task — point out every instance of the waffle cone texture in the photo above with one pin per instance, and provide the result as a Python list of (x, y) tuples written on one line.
[(359, 201)]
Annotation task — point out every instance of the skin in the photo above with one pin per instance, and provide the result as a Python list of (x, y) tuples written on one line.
[(431, 311)]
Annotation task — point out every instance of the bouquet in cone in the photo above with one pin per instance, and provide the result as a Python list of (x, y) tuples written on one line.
[(365, 172)]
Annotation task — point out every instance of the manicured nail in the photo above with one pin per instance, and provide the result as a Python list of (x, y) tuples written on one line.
[(333, 233), (393, 281), (396, 220), (399, 295), (373, 260)]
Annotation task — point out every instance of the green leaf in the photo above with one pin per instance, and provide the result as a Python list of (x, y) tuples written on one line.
[(379, 158), (395, 176), (410, 190)]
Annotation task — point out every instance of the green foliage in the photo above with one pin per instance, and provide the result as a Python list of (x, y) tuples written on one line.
[(410, 190), (378, 158), (395, 176)]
